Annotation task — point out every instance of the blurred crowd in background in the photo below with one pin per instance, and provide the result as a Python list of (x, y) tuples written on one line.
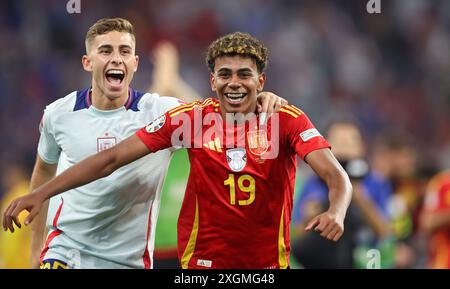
[(387, 74)]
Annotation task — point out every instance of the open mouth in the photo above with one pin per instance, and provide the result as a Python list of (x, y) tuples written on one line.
[(114, 76), (235, 98)]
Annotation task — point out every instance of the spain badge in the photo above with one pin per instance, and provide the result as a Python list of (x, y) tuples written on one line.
[(257, 142)]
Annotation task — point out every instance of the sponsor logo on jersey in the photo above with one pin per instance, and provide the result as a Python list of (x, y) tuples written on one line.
[(257, 142), (309, 134), (236, 159), (104, 143), (204, 263), (213, 145), (156, 124)]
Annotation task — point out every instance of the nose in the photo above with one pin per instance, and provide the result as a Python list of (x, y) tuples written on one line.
[(116, 58), (234, 82)]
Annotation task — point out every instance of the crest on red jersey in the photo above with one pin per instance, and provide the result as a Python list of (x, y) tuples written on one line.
[(257, 142), (236, 159)]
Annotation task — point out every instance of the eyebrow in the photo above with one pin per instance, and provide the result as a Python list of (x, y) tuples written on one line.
[(109, 46), (224, 69)]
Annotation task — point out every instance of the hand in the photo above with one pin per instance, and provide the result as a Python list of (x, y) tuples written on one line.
[(165, 60), (269, 103), (32, 203), (328, 224)]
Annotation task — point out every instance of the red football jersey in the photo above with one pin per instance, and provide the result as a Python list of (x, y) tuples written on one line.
[(438, 200), (237, 207)]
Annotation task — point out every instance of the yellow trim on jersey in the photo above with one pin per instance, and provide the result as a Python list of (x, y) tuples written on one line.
[(217, 143), (296, 109), (189, 251), (188, 107), (288, 112), (282, 260), (214, 145), (175, 109), (211, 145)]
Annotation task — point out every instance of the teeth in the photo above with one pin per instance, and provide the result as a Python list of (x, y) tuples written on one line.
[(235, 95), (114, 71)]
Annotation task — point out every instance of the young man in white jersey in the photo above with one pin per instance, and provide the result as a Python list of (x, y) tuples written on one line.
[(109, 223)]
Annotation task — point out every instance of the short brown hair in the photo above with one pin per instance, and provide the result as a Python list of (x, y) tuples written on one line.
[(106, 25), (238, 43)]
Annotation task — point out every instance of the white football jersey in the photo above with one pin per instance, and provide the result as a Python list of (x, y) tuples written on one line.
[(109, 223)]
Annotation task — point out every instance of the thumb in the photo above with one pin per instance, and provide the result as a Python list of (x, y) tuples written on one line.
[(314, 222), (258, 107), (31, 217)]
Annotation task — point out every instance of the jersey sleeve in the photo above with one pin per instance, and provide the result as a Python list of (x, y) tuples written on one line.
[(169, 103), (170, 130), (302, 136), (48, 149)]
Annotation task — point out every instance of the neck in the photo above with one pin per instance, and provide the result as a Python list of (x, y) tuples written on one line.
[(101, 101), (239, 117)]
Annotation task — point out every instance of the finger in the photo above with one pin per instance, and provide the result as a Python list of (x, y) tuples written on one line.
[(284, 101), (258, 107), (271, 108), (333, 233), (327, 230), (338, 235), (312, 224), (15, 215), (322, 225), (272, 104), (7, 222), (265, 104), (5, 227), (278, 105), (31, 216)]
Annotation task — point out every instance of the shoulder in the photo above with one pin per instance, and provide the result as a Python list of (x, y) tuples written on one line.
[(153, 102), (65, 103), (206, 106), (290, 112), (61, 105)]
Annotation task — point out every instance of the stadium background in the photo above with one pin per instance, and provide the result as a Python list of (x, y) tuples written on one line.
[(388, 71)]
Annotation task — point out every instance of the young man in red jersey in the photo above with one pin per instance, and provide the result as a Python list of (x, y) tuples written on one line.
[(237, 207)]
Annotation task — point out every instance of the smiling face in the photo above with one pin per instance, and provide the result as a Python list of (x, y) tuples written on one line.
[(111, 59), (236, 82)]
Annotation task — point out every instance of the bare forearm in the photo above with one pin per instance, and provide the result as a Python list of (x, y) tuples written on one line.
[(326, 166), (95, 167), (340, 192), (92, 168)]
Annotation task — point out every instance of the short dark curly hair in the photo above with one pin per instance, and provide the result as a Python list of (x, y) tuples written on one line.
[(238, 43)]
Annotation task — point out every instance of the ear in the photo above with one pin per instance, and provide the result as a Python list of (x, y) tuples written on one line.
[(212, 80), (137, 63), (261, 82), (87, 64)]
